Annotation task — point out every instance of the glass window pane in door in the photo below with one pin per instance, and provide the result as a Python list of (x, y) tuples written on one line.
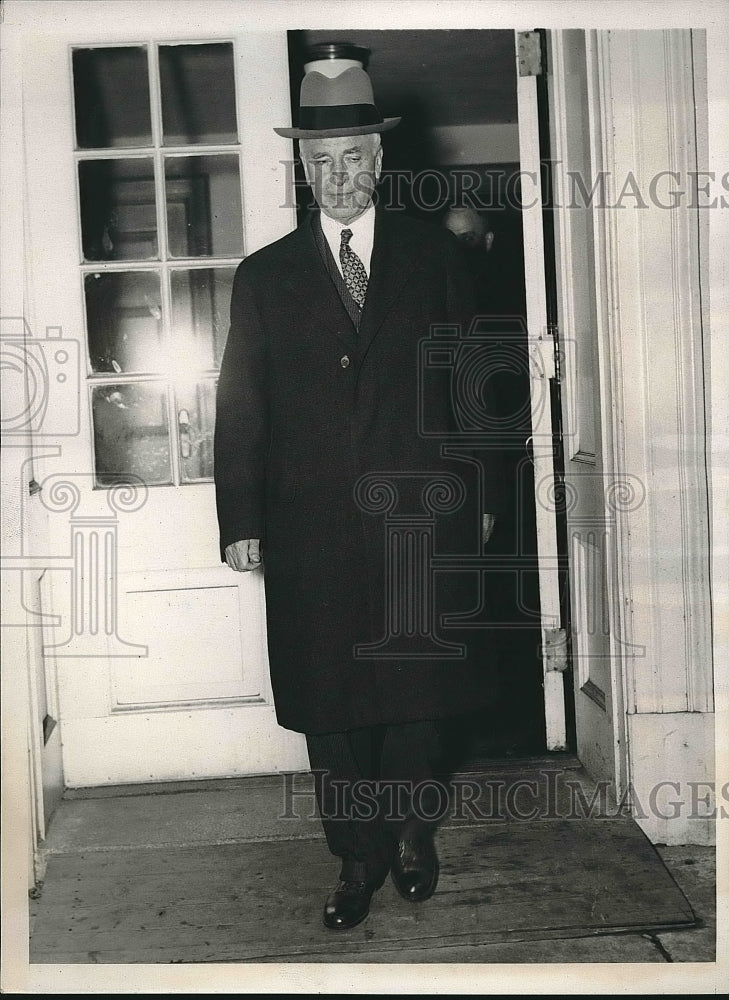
[(111, 97), (201, 314), (198, 94), (118, 215), (131, 433), (124, 321), (195, 426), (204, 212)]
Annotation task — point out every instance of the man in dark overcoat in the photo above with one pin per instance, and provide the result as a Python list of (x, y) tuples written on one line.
[(318, 442)]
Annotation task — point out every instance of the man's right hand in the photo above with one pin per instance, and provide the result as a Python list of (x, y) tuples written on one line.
[(244, 556)]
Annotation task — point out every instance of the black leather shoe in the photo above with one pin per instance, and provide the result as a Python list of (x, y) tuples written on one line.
[(348, 904), (415, 868)]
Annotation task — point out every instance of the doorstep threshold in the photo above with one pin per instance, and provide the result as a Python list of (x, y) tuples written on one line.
[(542, 762)]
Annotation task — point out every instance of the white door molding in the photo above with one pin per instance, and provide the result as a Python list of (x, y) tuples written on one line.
[(640, 125), (652, 314), (652, 369), (715, 281)]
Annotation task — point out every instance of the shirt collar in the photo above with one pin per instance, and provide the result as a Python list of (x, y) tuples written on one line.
[(364, 226)]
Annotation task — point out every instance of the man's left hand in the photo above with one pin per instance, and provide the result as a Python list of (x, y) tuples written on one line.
[(488, 523)]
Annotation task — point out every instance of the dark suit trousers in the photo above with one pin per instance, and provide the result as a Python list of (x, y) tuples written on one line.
[(369, 783)]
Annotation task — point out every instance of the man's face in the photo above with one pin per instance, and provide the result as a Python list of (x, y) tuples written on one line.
[(342, 172), (470, 228)]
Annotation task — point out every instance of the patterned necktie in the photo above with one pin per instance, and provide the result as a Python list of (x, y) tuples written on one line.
[(353, 269)]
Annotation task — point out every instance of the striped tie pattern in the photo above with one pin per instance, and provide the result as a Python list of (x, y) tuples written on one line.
[(353, 269)]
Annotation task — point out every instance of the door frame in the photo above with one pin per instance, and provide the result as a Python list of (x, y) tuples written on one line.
[(538, 249)]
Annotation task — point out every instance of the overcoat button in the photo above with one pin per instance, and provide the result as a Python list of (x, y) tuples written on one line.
[(344, 362)]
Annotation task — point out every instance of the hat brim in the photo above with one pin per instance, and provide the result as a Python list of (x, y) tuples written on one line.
[(333, 133)]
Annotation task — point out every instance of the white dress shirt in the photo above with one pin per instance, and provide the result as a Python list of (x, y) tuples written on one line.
[(363, 236)]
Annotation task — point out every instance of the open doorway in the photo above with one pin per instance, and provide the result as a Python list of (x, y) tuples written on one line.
[(458, 147)]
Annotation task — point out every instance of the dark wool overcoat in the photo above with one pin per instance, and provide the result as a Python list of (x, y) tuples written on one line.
[(329, 448)]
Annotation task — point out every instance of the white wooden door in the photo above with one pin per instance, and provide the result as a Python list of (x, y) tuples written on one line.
[(542, 372), (594, 492), (152, 168)]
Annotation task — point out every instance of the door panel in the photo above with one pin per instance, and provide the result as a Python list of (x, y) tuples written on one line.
[(135, 233), (592, 494), (225, 613)]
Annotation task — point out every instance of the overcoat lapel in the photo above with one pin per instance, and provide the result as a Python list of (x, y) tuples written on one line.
[(305, 281), (392, 263)]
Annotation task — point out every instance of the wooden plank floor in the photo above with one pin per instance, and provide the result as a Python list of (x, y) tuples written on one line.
[(553, 883)]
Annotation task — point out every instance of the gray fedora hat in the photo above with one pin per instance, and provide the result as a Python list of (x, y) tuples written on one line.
[(339, 105)]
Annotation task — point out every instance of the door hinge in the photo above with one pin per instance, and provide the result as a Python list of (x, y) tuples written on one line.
[(553, 331), (529, 53), (543, 356), (555, 649), (49, 724)]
